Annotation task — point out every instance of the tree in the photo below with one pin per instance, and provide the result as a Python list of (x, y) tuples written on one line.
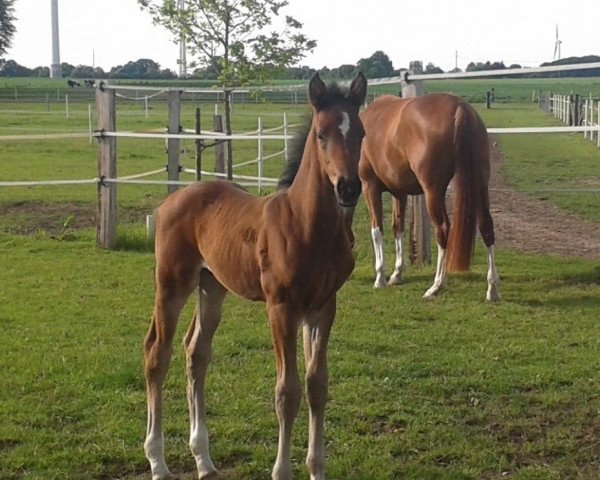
[(377, 65), (7, 27), (416, 66), (11, 68), (431, 68), (236, 37), (66, 68)]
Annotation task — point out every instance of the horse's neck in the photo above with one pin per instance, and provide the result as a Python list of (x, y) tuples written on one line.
[(311, 195)]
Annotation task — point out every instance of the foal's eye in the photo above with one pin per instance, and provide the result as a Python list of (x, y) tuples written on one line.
[(320, 135)]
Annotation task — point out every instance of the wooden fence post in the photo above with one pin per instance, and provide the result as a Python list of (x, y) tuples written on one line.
[(219, 147), (198, 145), (173, 144), (418, 221), (106, 229), (228, 145)]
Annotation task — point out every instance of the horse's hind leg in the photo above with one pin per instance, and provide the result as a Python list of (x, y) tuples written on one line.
[(486, 228), (198, 345), (434, 200), (175, 280), (372, 194), (398, 216), (316, 335)]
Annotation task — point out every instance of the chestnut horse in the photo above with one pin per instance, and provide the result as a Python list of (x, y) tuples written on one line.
[(289, 249), (417, 145)]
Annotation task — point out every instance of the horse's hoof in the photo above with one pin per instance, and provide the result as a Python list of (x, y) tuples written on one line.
[(164, 476), (396, 280), (432, 293), (493, 296), (214, 475), (380, 284)]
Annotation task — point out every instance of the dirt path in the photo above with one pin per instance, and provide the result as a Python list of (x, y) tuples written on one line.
[(530, 225)]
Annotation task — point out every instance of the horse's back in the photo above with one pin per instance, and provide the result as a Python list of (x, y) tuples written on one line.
[(412, 140), (433, 113)]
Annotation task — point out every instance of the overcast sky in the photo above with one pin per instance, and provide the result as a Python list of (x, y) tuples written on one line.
[(114, 32)]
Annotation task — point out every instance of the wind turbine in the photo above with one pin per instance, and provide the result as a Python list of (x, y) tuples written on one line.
[(557, 43), (55, 66)]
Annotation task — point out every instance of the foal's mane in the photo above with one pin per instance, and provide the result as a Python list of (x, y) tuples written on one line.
[(334, 96)]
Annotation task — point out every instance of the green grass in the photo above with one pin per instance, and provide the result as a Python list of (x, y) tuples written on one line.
[(450, 389), (454, 388)]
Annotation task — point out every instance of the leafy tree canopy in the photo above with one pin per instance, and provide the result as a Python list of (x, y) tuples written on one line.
[(7, 26), (234, 38), (377, 65)]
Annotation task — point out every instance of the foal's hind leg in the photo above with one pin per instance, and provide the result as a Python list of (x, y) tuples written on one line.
[(198, 345), (398, 216), (174, 283), (316, 336), (434, 200)]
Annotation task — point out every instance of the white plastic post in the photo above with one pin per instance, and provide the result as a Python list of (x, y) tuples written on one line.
[(67, 105), (90, 123), (598, 122), (260, 155), (285, 141)]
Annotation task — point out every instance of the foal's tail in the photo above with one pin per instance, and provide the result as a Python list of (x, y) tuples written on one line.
[(470, 143)]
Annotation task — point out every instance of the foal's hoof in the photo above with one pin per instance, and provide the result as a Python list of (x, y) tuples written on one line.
[(379, 284)]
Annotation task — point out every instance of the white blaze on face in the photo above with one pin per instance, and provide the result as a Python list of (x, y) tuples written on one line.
[(345, 125)]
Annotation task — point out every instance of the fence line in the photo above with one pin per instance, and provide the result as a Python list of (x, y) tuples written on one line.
[(576, 111)]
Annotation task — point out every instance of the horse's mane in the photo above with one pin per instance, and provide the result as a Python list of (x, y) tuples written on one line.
[(334, 96), (295, 153)]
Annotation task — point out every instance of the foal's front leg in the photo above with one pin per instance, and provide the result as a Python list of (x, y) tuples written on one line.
[(158, 348), (284, 330), (316, 336), (198, 346)]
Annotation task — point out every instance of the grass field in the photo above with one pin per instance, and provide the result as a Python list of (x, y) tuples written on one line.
[(450, 389)]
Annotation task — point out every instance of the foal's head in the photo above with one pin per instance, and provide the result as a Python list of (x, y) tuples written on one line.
[(338, 132)]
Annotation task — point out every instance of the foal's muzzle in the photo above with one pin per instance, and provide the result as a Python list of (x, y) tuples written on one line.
[(347, 191)]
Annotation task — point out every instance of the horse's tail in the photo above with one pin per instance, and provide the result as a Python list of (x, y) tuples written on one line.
[(467, 146)]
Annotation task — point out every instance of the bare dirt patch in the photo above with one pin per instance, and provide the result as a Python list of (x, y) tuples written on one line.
[(29, 218), (528, 224)]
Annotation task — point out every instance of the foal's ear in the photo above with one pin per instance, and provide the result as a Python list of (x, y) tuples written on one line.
[(316, 91), (358, 90)]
